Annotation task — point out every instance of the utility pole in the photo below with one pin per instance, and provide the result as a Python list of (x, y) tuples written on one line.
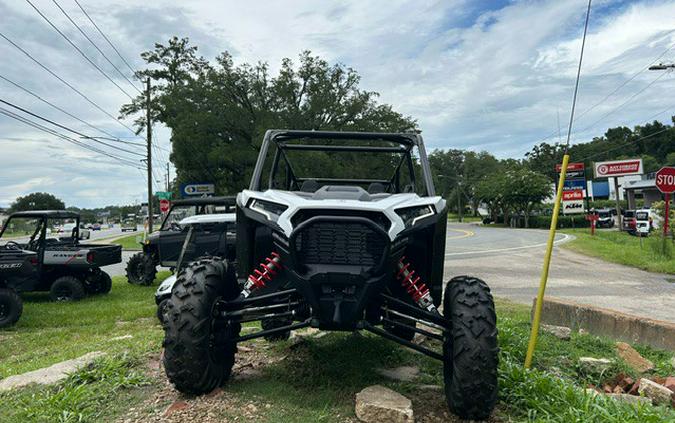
[(167, 176), (148, 132)]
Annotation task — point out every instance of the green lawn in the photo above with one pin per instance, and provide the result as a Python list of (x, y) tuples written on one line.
[(128, 242), (313, 381), (622, 248)]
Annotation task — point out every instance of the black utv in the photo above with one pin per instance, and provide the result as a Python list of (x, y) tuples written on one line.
[(339, 231), (33, 259), (163, 248)]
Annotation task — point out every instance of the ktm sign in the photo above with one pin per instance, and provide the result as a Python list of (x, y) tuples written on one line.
[(618, 168)]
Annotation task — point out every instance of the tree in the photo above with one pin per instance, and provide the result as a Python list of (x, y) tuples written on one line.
[(37, 201), (523, 188), (218, 113)]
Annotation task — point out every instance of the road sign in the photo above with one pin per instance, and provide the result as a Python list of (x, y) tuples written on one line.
[(665, 180), (573, 201), (163, 195), (571, 167), (618, 168), (164, 205), (593, 218), (198, 189)]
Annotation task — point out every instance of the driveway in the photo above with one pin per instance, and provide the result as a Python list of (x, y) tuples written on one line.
[(510, 261)]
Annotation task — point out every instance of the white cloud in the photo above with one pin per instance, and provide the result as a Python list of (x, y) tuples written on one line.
[(481, 76)]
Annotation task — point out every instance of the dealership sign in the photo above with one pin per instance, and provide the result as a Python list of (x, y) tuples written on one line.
[(618, 168), (573, 201)]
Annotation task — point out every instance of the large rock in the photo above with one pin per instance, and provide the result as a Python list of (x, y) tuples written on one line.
[(377, 404), (632, 399), (400, 374), (51, 374), (560, 332), (594, 365), (659, 394), (633, 358)]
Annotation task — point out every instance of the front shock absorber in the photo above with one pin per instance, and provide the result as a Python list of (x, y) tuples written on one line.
[(265, 272), (414, 287)]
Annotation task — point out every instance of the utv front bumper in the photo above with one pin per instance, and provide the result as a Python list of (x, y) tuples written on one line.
[(339, 264)]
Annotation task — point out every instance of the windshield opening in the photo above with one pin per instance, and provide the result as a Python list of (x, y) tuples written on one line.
[(380, 167)]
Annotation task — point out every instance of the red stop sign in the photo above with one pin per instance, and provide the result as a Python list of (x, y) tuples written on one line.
[(164, 205), (665, 180)]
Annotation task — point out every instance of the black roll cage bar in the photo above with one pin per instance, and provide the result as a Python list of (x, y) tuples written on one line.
[(281, 138)]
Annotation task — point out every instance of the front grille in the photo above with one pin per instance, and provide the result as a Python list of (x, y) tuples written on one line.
[(340, 243)]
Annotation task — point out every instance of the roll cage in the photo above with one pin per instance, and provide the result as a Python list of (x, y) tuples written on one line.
[(288, 140)]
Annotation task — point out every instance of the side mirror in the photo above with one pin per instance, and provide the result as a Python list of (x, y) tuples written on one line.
[(85, 234)]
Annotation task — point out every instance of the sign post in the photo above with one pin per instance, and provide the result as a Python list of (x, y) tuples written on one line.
[(615, 169), (593, 218), (665, 182)]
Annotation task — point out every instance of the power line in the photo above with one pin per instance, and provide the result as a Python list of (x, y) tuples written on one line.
[(67, 128), (65, 82), (95, 46), (552, 134), (624, 145), (106, 38), (622, 104), (65, 37), (113, 138), (43, 128)]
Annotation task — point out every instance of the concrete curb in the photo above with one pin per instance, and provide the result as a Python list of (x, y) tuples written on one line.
[(604, 322)]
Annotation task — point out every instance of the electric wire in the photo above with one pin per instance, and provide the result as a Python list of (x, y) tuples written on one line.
[(91, 62), (65, 82), (106, 38), (43, 128), (96, 46), (26, 90), (68, 129)]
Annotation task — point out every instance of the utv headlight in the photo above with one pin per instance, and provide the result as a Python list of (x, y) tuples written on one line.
[(411, 215), (267, 208)]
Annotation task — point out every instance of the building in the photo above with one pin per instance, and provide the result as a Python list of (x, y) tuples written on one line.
[(644, 189)]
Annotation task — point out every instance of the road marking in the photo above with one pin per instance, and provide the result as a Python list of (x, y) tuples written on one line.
[(465, 234), (498, 250)]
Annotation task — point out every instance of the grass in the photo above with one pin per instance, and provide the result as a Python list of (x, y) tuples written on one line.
[(623, 248), (128, 242), (313, 381)]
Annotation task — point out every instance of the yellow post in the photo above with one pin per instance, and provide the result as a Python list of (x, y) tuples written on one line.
[(547, 261)]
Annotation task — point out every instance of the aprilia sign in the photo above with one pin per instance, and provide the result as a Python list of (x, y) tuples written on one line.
[(618, 168)]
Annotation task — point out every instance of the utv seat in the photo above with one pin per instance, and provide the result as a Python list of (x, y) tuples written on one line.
[(375, 188), (309, 185)]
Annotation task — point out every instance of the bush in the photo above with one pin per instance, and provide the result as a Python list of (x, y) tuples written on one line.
[(544, 222)]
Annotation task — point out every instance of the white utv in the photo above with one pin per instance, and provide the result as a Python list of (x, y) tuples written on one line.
[(338, 231)]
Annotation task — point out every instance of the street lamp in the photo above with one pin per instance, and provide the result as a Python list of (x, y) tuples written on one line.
[(662, 66)]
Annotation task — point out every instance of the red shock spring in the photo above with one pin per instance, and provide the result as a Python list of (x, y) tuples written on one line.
[(414, 287), (266, 271)]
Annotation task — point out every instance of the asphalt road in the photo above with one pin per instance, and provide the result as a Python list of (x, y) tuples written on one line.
[(510, 261)]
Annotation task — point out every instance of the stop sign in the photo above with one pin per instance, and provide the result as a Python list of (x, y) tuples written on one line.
[(164, 205), (665, 180)]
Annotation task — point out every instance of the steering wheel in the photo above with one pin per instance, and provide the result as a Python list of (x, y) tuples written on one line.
[(12, 245)]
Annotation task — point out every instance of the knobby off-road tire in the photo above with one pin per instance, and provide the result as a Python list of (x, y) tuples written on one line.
[(267, 324), (470, 348), (198, 349), (141, 269), (11, 307), (98, 284), (67, 288)]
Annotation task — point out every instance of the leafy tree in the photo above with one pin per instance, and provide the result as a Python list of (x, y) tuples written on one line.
[(37, 201), (218, 112), (524, 188)]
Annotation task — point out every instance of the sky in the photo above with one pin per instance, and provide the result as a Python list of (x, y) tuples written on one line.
[(480, 75)]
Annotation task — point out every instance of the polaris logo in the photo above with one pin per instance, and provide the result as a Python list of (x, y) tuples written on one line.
[(10, 266)]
